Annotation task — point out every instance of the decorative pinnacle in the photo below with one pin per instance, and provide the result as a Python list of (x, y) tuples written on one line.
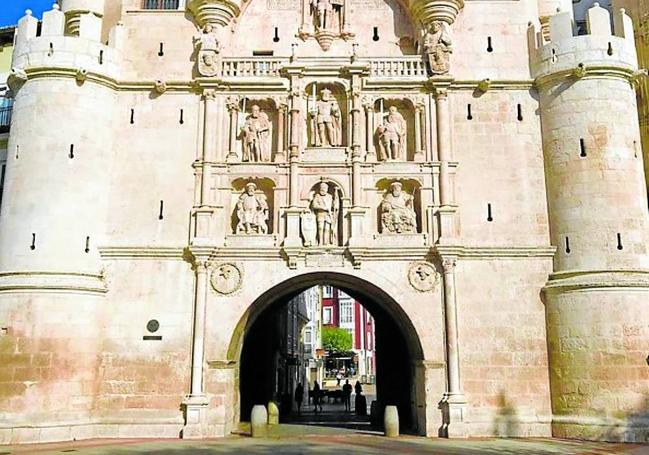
[(28, 12), (56, 7)]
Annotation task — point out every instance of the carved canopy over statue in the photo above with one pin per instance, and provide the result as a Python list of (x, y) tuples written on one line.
[(327, 14), (326, 120), (438, 47), (392, 136), (397, 211), (256, 136), (209, 52), (252, 212)]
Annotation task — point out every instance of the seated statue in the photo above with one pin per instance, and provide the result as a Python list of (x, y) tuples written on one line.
[(398, 212), (252, 212)]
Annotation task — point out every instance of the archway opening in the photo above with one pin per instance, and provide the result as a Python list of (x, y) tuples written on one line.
[(288, 341)]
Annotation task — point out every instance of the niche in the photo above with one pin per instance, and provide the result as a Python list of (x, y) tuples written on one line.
[(323, 224), (318, 135), (397, 199), (256, 130), (394, 120), (252, 206)]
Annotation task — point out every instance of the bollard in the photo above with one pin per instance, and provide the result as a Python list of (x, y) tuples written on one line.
[(273, 413), (258, 421), (391, 422)]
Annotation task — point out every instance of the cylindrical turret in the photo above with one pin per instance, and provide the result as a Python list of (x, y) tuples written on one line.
[(596, 299), (53, 216), (74, 9)]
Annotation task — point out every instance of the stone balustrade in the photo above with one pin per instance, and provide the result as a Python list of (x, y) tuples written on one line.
[(253, 67), (397, 67)]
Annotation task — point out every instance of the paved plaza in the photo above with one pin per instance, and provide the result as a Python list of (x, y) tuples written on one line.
[(300, 440)]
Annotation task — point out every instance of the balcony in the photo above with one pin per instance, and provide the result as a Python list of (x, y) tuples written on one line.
[(399, 67), (253, 67), (5, 119), (161, 4)]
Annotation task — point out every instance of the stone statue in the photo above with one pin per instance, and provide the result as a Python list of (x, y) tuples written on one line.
[(209, 51), (256, 136), (325, 207), (326, 12), (392, 136), (327, 118), (252, 211), (437, 47), (397, 211)]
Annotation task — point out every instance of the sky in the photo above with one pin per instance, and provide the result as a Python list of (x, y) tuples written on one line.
[(12, 10)]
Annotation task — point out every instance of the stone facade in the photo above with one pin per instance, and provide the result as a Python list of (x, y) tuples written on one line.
[(510, 260)]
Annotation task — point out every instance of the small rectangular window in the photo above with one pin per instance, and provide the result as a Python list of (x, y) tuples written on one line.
[(160, 4)]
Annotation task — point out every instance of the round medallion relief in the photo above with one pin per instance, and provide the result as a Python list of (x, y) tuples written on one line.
[(423, 276), (226, 278)]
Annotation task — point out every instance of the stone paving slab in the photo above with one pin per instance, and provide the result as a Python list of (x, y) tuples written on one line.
[(296, 440)]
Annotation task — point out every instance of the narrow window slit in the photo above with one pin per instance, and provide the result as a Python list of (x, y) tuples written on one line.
[(469, 114), (489, 45), (609, 51), (87, 249), (161, 52), (51, 51), (519, 110), (554, 56), (567, 245), (276, 37), (582, 148), (489, 214), (182, 116), (132, 116), (33, 245), (71, 155), (162, 207), (375, 36), (619, 241), (17, 150), (101, 57)]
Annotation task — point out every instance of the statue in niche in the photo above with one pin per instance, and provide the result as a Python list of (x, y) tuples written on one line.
[(327, 14), (252, 211), (392, 136), (398, 212), (438, 47), (256, 136), (327, 119), (209, 51), (326, 208)]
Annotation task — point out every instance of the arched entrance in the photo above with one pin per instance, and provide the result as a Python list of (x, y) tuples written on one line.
[(398, 347)]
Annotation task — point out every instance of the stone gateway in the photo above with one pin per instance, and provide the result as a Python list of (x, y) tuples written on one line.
[(467, 170)]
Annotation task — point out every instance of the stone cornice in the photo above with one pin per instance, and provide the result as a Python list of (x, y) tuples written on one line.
[(589, 72), (369, 252), (40, 281), (577, 280)]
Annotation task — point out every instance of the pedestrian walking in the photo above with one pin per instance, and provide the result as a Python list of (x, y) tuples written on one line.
[(299, 396), (347, 393), (339, 377), (317, 397), (358, 388)]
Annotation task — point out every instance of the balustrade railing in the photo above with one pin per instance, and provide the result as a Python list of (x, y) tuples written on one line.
[(252, 67), (160, 4), (397, 67)]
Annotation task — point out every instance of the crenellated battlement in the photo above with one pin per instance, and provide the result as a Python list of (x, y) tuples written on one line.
[(53, 48), (603, 48)]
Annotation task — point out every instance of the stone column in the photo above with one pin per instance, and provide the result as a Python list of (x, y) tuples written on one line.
[(454, 398), (280, 156), (209, 144), (369, 135), (444, 144), (233, 108), (198, 342), (295, 151), (196, 402), (419, 154)]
